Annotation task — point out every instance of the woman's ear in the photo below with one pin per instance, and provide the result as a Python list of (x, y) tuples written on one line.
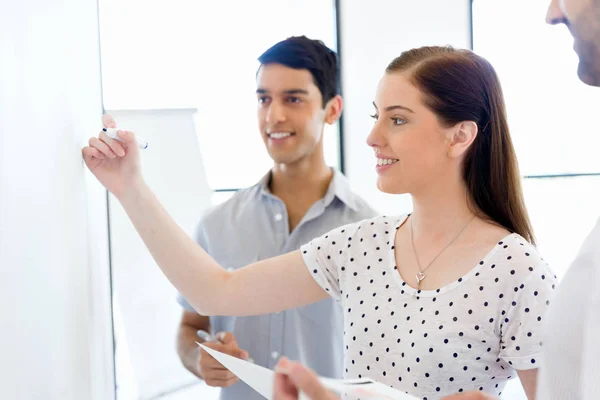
[(463, 136)]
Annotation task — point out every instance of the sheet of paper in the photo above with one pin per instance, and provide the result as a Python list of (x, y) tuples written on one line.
[(257, 377), (365, 389), (261, 380)]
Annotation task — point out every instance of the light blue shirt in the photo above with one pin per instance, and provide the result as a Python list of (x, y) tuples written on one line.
[(253, 225)]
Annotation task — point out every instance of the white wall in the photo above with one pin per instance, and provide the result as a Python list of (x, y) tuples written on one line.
[(55, 329), (374, 33)]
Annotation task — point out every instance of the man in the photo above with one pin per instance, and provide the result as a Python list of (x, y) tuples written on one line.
[(571, 368), (299, 199), (582, 18)]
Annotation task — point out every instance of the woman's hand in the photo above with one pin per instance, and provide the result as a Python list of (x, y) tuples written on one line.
[(116, 164)]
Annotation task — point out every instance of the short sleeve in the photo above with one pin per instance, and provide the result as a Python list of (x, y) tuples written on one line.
[(201, 238), (325, 257), (523, 318)]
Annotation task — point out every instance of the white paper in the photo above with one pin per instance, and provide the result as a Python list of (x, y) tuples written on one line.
[(257, 377), (364, 389), (261, 380)]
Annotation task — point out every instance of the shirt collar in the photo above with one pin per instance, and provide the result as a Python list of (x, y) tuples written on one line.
[(338, 188)]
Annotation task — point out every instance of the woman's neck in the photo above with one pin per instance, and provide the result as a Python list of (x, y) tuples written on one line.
[(440, 212)]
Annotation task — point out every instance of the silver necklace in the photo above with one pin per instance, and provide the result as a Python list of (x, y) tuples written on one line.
[(420, 276)]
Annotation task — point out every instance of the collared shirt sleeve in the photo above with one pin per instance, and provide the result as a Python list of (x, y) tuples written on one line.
[(591, 351), (591, 355)]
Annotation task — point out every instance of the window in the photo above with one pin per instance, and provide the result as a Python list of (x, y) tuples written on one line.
[(563, 212), (552, 116), (202, 55), (186, 53)]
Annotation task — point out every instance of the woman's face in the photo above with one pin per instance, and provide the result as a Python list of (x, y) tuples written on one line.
[(411, 146)]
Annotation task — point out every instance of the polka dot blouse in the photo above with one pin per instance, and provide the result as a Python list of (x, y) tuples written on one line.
[(469, 335)]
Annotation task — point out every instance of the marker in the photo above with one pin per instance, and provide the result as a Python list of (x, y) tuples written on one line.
[(207, 337), (112, 133)]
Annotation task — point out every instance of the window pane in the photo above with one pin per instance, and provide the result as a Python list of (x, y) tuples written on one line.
[(221, 197), (552, 114), (201, 55), (563, 211), (186, 53)]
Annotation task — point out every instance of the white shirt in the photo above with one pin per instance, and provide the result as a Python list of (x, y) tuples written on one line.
[(468, 335), (572, 367)]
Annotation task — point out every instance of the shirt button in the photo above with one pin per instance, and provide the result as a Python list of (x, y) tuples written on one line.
[(274, 355), (278, 217)]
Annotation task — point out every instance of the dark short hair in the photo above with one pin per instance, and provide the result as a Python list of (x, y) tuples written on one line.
[(300, 52)]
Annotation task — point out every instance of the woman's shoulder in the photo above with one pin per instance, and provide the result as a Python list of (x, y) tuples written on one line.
[(365, 229), (376, 224), (519, 257)]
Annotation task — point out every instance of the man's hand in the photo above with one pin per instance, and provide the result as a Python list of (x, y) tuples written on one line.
[(214, 373), (291, 378)]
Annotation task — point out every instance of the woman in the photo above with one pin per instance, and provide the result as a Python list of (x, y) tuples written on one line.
[(447, 299)]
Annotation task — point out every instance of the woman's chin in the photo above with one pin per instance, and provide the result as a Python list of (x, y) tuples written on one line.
[(385, 186)]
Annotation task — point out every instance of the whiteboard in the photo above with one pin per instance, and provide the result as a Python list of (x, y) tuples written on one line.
[(56, 339), (145, 300)]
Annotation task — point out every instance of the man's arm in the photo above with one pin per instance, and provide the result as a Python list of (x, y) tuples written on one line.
[(188, 350)]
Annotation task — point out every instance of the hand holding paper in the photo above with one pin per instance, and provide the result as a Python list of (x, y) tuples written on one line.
[(213, 372), (292, 378), (262, 380)]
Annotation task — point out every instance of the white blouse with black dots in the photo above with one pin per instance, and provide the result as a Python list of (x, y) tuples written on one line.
[(469, 335)]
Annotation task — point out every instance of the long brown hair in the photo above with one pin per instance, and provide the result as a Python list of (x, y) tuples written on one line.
[(458, 85)]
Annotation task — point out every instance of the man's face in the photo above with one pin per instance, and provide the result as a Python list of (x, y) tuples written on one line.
[(290, 113), (582, 17)]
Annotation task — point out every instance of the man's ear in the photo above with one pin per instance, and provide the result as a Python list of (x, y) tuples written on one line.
[(333, 109), (463, 136)]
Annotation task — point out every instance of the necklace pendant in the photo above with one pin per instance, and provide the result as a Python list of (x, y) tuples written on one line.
[(420, 276)]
